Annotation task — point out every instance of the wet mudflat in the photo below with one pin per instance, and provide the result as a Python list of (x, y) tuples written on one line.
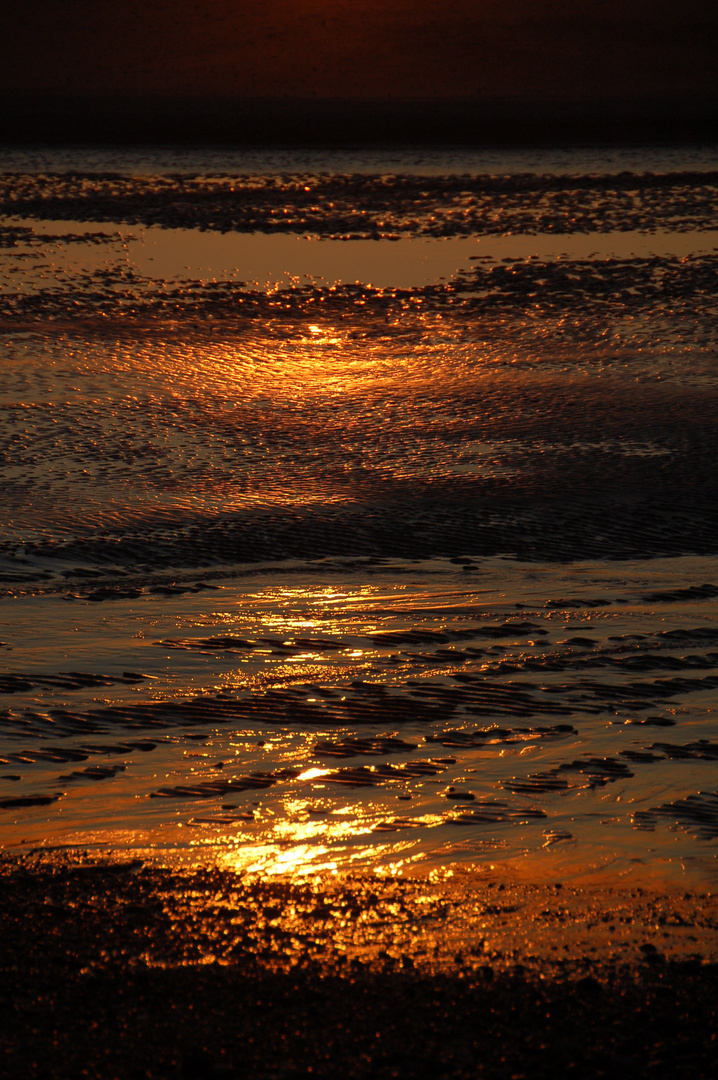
[(359, 631)]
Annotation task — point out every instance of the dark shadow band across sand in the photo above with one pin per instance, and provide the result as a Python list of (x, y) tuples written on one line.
[(117, 971)]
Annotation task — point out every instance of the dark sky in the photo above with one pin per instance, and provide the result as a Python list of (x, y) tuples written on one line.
[(362, 49)]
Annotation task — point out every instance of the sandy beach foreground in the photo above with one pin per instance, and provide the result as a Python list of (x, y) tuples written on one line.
[(119, 971)]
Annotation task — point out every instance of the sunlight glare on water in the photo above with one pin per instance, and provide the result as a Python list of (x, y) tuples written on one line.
[(362, 519)]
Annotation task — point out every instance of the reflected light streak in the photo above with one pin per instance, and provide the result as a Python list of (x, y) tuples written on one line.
[(310, 774), (307, 830), (308, 837), (270, 860), (302, 860)]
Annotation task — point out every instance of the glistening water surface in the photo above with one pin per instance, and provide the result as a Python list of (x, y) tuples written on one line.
[(361, 512)]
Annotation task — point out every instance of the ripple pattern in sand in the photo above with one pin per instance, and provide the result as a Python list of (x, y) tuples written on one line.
[(545, 728)]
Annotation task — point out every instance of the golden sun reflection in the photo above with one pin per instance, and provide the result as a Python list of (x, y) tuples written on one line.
[(307, 836), (310, 774), (307, 859), (296, 861), (292, 831), (325, 335)]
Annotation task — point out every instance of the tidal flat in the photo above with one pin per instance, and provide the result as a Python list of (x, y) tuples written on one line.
[(358, 587)]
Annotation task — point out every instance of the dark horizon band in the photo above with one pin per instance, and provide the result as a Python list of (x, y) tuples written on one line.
[(226, 120)]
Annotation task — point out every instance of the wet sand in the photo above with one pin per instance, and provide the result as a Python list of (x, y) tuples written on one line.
[(119, 971), (359, 670), (558, 720)]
